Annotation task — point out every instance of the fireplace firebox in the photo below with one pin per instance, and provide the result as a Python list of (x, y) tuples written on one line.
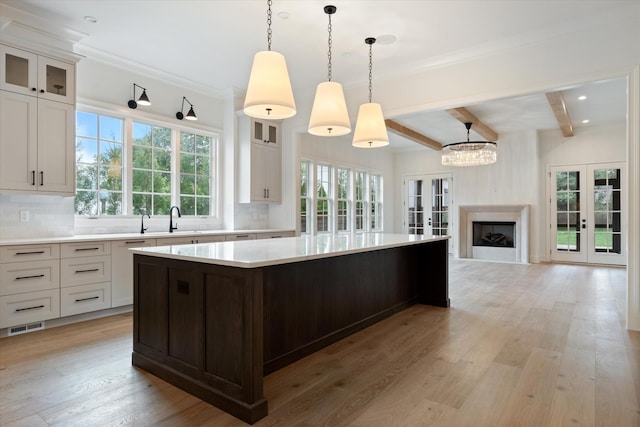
[(500, 234)]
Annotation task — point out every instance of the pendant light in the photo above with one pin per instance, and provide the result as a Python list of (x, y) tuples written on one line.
[(269, 94), (469, 153), (371, 132), (329, 115)]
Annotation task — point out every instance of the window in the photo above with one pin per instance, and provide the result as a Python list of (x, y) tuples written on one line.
[(375, 198), (126, 167), (360, 201), (344, 203), (305, 197), (99, 144), (323, 198), (195, 174), (151, 178), (341, 200)]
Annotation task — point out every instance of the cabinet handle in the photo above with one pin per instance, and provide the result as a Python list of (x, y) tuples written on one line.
[(134, 242), (33, 89), (41, 90), (41, 178), (268, 193), (37, 276), (33, 177), (30, 253), (29, 308), (240, 236), (86, 249), (92, 270), (86, 299)]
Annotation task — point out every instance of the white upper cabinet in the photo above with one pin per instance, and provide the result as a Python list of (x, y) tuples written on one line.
[(37, 123), (260, 161), (35, 75)]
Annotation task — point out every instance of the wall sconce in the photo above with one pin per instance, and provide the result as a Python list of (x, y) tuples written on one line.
[(191, 115), (143, 100)]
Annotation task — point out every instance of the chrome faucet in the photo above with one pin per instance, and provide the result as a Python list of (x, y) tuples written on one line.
[(171, 227), (142, 227)]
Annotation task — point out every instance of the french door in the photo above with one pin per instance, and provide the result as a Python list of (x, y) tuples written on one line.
[(427, 205), (587, 209)]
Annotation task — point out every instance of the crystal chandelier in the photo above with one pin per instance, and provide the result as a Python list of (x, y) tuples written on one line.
[(469, 153)]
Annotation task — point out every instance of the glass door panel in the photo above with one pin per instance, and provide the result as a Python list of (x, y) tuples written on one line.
[(587, 214), (415, 206)]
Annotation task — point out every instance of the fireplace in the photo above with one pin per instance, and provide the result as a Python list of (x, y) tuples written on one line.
[(494, 233)]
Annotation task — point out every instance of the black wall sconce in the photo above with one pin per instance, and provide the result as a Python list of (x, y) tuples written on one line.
[(143, 100), (191, 115)]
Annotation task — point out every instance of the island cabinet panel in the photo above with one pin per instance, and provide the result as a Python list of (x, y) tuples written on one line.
[(151, 317), (185, 311)]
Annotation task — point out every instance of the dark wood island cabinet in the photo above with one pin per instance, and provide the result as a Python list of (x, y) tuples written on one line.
[(214, 318)]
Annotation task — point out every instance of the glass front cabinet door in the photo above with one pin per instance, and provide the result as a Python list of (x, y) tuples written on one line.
[(35, 75)]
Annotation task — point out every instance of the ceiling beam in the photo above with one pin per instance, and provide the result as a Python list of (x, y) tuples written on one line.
[(412, 135), (556, 101), (465, 116)]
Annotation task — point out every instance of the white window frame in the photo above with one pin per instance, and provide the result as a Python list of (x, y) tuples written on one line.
[(127, 210)]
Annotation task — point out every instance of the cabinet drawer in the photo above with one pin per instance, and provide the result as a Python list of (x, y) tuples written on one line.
[(85, 298), (19, 277), (82, 271), (29, 307), (29, 253), (84, 249), (243, 236), (276, 235)]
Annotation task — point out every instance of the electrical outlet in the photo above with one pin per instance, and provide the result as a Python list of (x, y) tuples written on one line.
[(24, 216)]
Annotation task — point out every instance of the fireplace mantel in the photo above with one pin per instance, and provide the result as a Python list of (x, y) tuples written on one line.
[(517, 213)]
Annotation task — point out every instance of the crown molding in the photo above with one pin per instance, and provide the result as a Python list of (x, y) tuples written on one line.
[(137, 67)]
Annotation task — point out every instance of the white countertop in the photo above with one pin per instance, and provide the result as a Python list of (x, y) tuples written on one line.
[(129, 236), (260, 253)]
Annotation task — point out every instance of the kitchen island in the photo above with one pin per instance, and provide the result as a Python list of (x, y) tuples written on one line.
[(214, 318)]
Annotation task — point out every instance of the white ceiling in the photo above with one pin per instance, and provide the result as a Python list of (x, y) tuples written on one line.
[(211, 43)]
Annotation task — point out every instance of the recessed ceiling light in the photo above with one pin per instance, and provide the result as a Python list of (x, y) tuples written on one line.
[(582, 97), (386, 39), (585, 121), (91, 19)]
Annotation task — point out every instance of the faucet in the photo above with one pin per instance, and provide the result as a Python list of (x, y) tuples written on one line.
[(171, 227), (142, 227)]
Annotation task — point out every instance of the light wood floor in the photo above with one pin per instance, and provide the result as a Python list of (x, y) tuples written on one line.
[(534, 345)]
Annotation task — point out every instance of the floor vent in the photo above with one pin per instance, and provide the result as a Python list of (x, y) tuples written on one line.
[(23, 329)]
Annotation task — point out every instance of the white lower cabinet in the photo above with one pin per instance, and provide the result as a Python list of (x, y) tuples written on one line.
[(29, 307), (29, 284), (122, 269), (85, 277)]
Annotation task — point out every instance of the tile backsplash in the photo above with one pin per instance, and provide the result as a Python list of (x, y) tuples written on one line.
[(47, 216)]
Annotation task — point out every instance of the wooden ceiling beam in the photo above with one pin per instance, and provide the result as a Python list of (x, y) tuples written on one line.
[(412, 135), (465, 116), (559, 108)]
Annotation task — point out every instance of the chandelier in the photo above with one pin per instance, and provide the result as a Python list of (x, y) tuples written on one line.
[(469, 153)]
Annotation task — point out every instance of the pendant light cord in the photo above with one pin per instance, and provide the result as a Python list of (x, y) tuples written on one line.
[(269, 2), (329, 54), (370, 69)]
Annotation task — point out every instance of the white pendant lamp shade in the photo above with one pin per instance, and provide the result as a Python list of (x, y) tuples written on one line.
[(329, 115), (269, 94), (371, 132)]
